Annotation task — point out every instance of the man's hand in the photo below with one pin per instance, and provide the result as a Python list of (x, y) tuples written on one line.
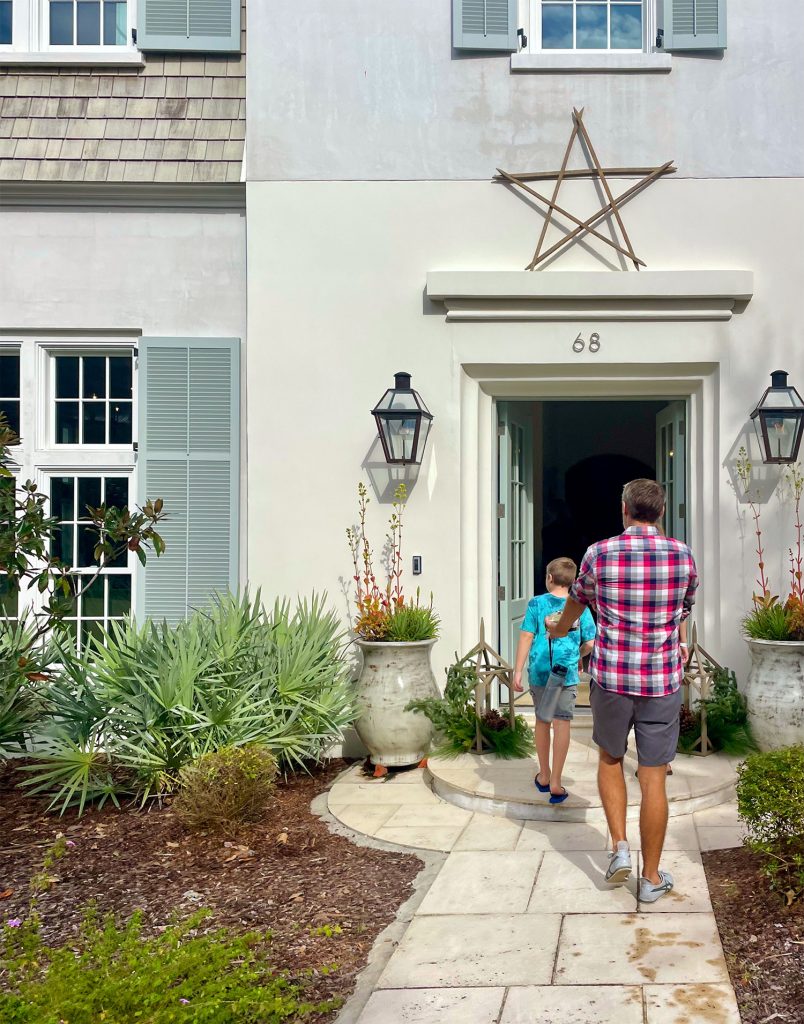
[(518, 687), (555, 630)]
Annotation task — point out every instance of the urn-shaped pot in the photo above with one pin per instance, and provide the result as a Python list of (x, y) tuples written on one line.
[(393, 675), (774, 692)]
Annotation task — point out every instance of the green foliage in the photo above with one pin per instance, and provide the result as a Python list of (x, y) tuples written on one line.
[(118, 975), (726, 719), (226, 787), (22, 668), (411, 623), (770, 800), (455, 721), (147, 701), (768, 621)]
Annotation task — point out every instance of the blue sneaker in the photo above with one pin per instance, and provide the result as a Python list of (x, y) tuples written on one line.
[(619, 869)]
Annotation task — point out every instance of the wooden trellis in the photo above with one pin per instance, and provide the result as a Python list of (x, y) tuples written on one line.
[(490, 668), (698, 675)]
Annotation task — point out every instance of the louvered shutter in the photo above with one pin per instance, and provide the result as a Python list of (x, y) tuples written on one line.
[(484, 25), (208, 26), (189, 434), (694, 25)]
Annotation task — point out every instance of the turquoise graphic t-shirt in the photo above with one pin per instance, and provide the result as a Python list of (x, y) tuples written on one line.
[(566, 651)]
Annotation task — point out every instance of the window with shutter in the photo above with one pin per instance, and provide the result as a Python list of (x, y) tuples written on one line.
[(484, 25), (189, 434), (208, 26), (694, 25)]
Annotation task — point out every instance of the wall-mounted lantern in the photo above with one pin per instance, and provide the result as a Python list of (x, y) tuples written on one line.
[(779, 421), (403, 422)]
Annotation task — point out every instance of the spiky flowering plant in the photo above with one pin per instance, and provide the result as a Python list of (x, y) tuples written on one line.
[(382, 612)]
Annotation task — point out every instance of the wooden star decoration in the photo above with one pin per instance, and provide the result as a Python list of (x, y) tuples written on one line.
[(596, 171)]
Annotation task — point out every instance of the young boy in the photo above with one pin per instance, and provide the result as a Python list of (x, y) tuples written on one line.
[(568, 651)]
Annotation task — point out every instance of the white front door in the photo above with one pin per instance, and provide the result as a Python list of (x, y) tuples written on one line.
[(515, 518), (671, 466)]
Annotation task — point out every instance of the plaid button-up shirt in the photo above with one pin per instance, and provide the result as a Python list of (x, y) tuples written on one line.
[(642, 586)]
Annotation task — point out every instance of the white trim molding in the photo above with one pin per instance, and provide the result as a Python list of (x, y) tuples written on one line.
[(579, 295), (580, 62)]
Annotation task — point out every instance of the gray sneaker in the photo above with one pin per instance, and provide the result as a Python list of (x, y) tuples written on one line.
[(649, 892), (619, 869)]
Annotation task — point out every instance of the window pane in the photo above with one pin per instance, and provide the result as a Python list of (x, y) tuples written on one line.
[(89, 23), (94, 376), (94, 422), (61, 23), (9, 376), (62, 493), (11, 411), (66, 376), (67, 423), (8, 600), (557, 26), (120, 374), (87, 539), (119, 595), (114, 24), (89, 494), (62, 546), (116, 491), (591, 31), (120, 425), (92, 601), (5, 22), (626, 26), (91, 631)]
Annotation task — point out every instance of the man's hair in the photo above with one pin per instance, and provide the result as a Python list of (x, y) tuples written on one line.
[(563, 571), (644, 500)]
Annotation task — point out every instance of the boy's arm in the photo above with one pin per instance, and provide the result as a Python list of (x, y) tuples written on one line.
[(587, 648), (522, 651)]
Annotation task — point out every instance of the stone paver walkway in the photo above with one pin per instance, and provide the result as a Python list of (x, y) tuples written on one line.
[(520, 928)]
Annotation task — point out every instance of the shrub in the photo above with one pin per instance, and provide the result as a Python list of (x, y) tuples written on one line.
[(22, 665), (727, 723), (155, 698), (767, 622), (770, 800), (226, 787), (118, 975), (411, 623)]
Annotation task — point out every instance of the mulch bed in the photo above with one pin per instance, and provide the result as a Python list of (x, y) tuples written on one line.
[(762, 938), (289, 875)]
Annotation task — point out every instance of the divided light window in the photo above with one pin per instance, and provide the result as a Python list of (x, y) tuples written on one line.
[(10, 388), (88, 22), (109, 597), (6, 18), (93, 399), (597, 25)]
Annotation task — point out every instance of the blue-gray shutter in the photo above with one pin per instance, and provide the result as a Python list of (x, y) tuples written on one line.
[(694, 25), (207, 26), (189, 444), (484, 25)]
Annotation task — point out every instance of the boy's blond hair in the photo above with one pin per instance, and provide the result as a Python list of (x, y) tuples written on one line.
[(563, 571)]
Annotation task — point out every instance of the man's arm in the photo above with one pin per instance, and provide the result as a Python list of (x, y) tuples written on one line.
[(581, 596), (689, 597), (572, 611)]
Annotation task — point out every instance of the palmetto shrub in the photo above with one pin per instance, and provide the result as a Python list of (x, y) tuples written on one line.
[(152, 699), (22, 667), (226, 787)]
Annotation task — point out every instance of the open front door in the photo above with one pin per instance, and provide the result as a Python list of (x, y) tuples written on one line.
[(671, 466), (515, 518)]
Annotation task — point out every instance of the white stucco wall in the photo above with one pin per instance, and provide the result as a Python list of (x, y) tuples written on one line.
[(338, 306), (359, 90), (154, 271)]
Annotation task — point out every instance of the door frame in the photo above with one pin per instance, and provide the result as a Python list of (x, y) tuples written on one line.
[(481, 388)]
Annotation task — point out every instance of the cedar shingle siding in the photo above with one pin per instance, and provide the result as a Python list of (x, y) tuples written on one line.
[(179, 118)]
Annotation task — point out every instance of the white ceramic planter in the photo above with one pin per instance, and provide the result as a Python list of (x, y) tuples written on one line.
[(774, 692), (392, 676)]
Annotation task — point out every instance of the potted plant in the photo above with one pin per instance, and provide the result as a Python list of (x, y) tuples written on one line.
[(395, 635), (774, 630)]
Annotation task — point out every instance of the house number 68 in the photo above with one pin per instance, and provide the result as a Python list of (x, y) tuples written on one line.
[(594, 343)]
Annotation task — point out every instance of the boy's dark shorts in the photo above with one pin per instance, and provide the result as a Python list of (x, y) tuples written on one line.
[(655, 721), (566, 702)]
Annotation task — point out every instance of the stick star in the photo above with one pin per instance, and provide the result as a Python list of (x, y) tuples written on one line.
[(649, 175)]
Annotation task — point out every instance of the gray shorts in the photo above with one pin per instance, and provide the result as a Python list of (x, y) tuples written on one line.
[(654, 719), (566, 701)]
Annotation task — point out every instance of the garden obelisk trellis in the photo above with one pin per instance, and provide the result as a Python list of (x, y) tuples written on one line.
[(597, 172)]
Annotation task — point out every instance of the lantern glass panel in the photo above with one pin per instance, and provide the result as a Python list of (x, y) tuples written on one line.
[(400, 435), (780, 430)]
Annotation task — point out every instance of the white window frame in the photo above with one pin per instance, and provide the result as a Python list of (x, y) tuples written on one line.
[(30, 40), (535, 31), (49, 423), (38, 457)]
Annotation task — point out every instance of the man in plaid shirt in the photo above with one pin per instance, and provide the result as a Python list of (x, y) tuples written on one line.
[(642, 586)]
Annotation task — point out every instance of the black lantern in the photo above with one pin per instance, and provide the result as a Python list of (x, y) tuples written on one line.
[(779, 421), (403, 422)]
